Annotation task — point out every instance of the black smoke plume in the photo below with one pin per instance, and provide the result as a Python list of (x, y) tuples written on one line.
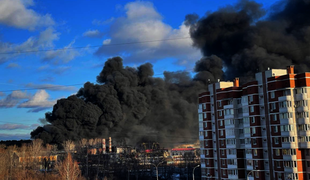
[(128, 104), (247, 41)]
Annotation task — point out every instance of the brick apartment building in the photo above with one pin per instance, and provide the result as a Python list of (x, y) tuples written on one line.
[(259, 130)]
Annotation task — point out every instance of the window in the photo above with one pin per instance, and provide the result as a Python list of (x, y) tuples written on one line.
[(255, 163), (273, 106), (257, 174), (204, 115), (247, 141), (276, 140), (253, 130), (255, 152), (277, 152), (220, 103), (221, 123), (254, 141), (248, 151), (251, 98), (246, 120), (273, 117), (252, 119), (278, 164), (247, 130), (222, 132), (272, 95), (252, 108), (275, 129)]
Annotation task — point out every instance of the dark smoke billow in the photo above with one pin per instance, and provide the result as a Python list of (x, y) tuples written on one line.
[(247, 42), (129, 103)]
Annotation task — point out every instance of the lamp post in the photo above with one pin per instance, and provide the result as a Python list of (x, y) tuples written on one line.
[(194, 171), (156, 166)]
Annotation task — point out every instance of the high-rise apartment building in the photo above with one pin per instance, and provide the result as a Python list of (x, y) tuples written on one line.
[(259, 130)]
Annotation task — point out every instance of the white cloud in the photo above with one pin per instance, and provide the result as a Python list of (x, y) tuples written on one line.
[(106, 41), (143, 23), (38, 101), (16, 13), (93, 34)]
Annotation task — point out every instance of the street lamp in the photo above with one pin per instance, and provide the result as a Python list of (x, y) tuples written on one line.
[(194, 171), (156, 166)]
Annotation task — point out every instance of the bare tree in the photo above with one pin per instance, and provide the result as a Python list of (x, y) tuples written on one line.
[(35, 150), (69, 146), (69, 169)]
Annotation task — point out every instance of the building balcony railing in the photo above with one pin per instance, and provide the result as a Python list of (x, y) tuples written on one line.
[(285, 98), (285, 109), (303, 121), (299, 97), (304, 145)]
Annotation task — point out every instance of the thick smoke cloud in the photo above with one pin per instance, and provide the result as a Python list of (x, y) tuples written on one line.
[(128, 103), (247, 42)]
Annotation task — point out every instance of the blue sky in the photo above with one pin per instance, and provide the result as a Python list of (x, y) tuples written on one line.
[(31, 25)]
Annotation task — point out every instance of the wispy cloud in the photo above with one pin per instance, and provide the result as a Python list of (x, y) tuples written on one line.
[(12, 126), (12, 65), (13, 99), (102, 22), (93, 34), (51, 87)]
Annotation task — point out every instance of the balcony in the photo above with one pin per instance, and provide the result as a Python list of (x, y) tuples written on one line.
[(302, 109), (299, 97), (285, 98), (286, 109), (230, 176), (229, 106), (288, 145), (289, 157), (303, 121), (304, 145)]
